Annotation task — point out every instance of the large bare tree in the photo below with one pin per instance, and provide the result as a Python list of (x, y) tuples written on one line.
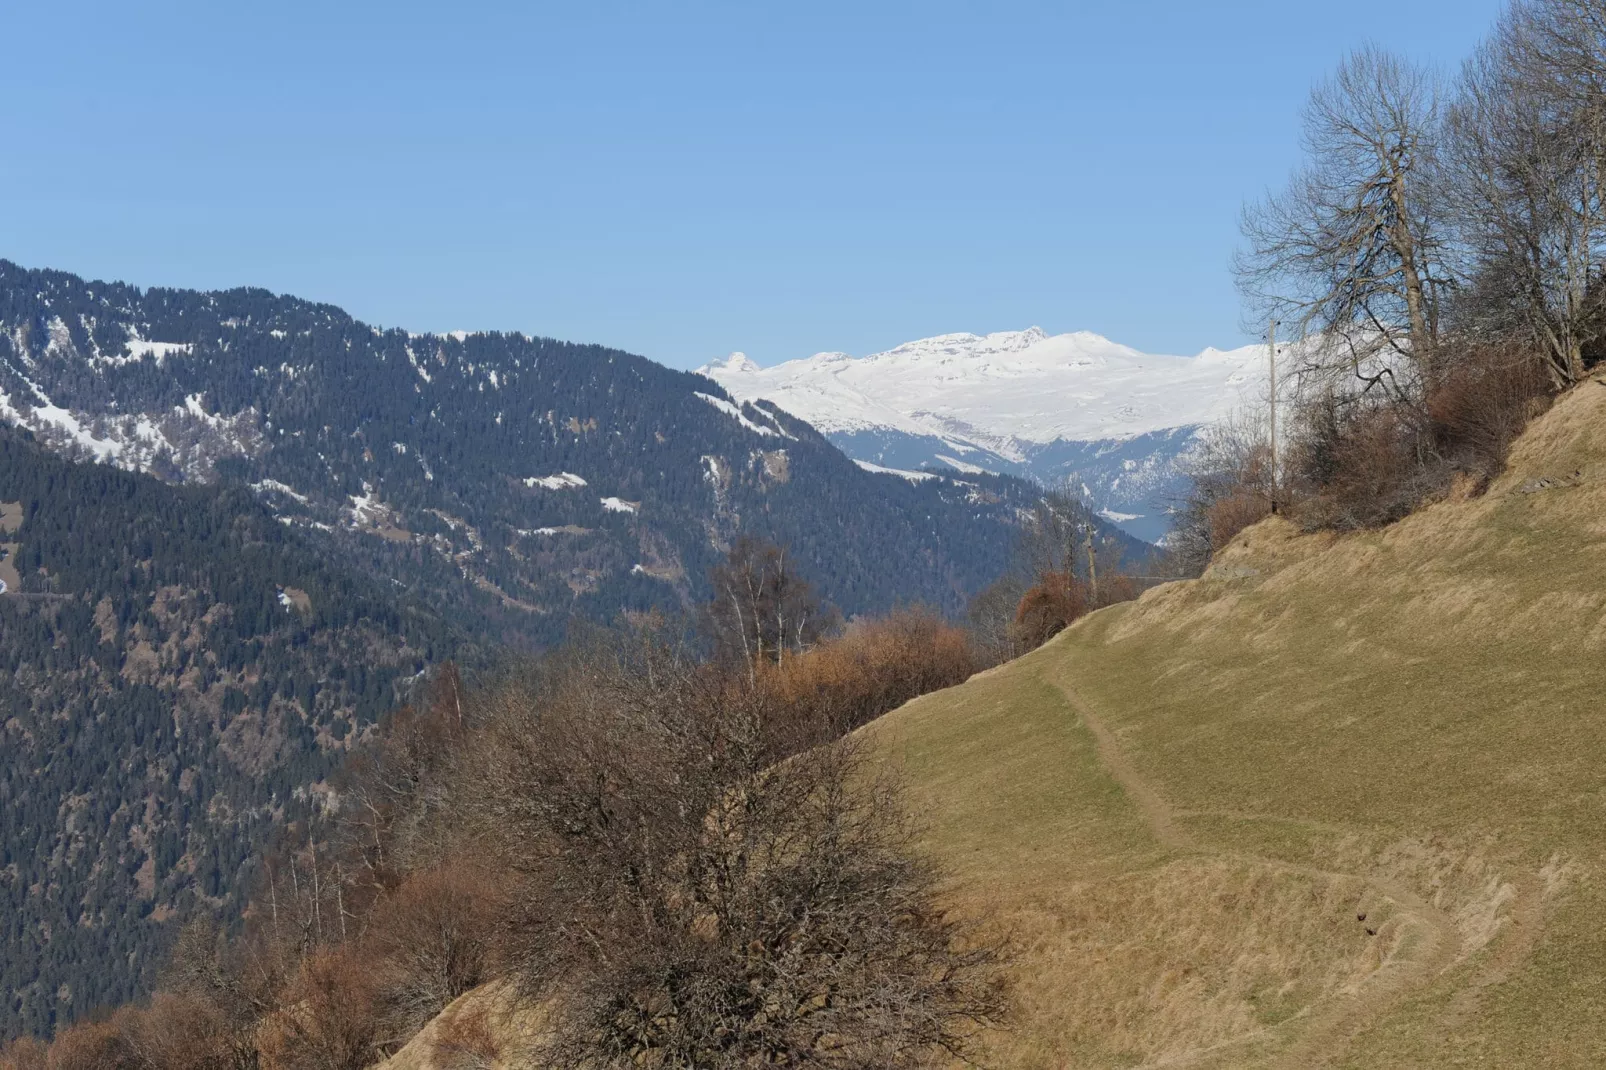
[(1351, 253), (1526, 149)]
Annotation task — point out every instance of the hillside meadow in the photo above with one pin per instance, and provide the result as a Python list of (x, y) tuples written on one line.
[(1337, 803)]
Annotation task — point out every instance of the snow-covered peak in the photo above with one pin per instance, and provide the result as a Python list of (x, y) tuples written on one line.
[(736, 364), (1011, 386)]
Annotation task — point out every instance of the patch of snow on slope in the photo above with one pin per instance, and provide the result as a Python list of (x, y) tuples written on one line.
[(45, 414), (274, 486), (619, 505), (913, 477), (139, 349), (557, 482), (736, 413), (961, 466)]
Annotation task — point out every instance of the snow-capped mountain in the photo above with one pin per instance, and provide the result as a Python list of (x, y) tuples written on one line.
[(1019, 402)]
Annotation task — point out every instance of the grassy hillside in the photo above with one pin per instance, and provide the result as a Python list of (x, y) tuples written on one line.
[(1180, 809)]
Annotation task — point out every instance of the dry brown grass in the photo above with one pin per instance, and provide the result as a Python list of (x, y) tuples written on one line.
[(489, 1028), (1402, 723)]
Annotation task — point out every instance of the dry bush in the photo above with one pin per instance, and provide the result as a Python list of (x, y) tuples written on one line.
[(433, 939), (328, 1018), (1058, 599), (1230, 488), (1481, 402), (1229, 515), (873, 668), (25, 1053), (1048, 608), (697, 897), (1363, 463), (93, 1046), (1364, 466), (468, 1041), (181, 1033), (1113, 589)]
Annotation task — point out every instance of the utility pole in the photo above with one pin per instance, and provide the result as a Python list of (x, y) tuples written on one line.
[(1092, 564), (1271, 360)]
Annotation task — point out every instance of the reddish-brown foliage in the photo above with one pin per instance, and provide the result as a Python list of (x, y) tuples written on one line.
[(874, 667), (1048, 607), (434, 938), (24, 1054), (329, 1018)]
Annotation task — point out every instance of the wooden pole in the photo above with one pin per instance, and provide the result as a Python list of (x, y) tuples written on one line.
[(1092, 564), (1271, 360)]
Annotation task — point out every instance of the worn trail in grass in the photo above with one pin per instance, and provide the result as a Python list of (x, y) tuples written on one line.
[(1177, 809), (1321, 1028)]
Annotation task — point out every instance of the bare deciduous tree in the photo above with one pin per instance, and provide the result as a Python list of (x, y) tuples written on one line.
[(700, 896), (1526, 147), (762, 607), (1352, 252)]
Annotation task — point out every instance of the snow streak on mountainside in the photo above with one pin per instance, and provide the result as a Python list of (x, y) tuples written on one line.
[(1019, 402)]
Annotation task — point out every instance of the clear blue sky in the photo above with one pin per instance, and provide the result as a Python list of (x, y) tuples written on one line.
[(679, 180)]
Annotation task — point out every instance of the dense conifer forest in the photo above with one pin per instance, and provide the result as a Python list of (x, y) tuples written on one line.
[(177, 670)]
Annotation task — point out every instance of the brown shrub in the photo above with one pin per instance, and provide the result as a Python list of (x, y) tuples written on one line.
[(873, 668), (180, 1033), (1057, 599), (1364, 466), (433, 939), (1480, 403), (1238, 509), (698, 897), (93, 1046), (1049, 607), (1360, 463), (1230, 488), (1115, 588), (468, 1041), (329, 1018), (25, 1053)]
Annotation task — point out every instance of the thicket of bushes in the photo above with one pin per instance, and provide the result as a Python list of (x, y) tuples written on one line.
[(678, 861), (1364, 462)]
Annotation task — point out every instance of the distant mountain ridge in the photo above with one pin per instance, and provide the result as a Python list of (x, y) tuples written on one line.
[(438, 461), (1017, 402)]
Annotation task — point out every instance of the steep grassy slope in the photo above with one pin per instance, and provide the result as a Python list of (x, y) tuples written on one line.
[(1181, 809)]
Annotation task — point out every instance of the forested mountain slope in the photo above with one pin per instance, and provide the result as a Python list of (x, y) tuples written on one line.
[(177, 670), (1337, 803), (517, 481)]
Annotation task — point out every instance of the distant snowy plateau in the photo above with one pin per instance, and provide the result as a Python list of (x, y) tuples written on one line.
[(1078, 407)]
